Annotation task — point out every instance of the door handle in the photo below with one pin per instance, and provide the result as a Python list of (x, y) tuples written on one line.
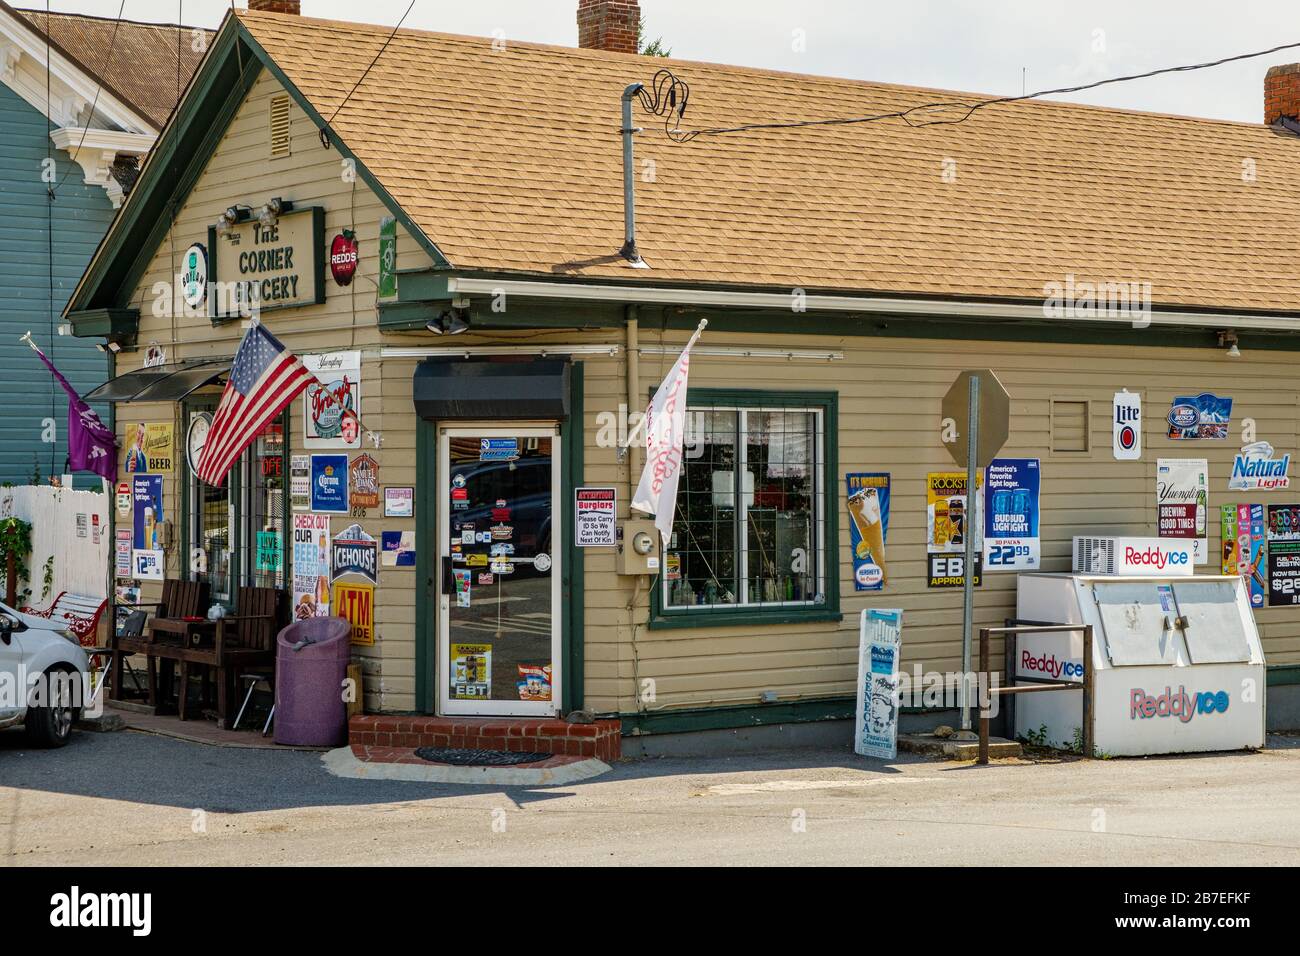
[(448, 578)]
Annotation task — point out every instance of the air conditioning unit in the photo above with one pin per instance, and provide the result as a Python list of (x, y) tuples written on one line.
[(1133, 557)]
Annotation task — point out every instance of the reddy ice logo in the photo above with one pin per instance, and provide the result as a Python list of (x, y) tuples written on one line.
[(1182, 705), (1049, 665), (1155, 558)]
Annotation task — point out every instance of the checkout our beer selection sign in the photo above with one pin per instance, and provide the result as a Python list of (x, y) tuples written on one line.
[(271, 265)]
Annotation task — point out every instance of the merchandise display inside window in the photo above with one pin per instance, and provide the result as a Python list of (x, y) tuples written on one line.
[(748, 530)]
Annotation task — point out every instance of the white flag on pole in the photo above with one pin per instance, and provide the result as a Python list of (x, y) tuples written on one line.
[(665, 430)]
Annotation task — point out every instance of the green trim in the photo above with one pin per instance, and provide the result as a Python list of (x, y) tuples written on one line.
[(829, 609), (407, 316), (1282, 675), (426, 497), (108, 323), (422, 285), (740, 715), (573, 586)]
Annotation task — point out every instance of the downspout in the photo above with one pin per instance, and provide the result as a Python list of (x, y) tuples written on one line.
[(634, 400), (629, 250)]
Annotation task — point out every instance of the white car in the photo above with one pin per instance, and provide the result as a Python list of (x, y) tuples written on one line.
[(43, 671)]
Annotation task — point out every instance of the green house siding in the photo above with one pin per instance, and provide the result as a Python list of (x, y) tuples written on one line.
[(81, 215)]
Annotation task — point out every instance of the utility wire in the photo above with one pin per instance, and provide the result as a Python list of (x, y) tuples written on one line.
[(108, 58), (667, 96), (324, 133)]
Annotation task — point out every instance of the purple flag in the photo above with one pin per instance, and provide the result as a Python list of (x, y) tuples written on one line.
[(91, 444)]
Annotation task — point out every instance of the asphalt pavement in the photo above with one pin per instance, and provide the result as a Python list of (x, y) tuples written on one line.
[(130, 798)]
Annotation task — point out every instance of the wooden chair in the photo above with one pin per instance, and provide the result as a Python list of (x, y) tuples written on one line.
[(180, 599), (240, 642)]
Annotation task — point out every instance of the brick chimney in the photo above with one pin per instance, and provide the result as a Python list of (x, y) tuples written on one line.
[(1281, 93), (606, 25), (276, 6)]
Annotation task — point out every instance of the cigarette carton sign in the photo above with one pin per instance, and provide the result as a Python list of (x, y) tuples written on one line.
[(1011, 541)]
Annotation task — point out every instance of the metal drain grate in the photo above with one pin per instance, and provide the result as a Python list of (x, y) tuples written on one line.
[(477, 758)]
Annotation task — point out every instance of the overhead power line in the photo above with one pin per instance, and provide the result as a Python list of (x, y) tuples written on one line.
[(324, 133), (667, 94)]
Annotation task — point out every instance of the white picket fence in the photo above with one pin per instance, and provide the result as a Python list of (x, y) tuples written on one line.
[(63, 525)]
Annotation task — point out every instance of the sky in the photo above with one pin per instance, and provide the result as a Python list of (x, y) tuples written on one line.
[(998, 47)]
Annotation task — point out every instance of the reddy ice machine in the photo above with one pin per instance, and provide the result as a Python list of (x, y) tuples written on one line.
[(1177, 662)]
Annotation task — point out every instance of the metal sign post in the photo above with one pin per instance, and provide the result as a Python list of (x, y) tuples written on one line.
[(968, 568)]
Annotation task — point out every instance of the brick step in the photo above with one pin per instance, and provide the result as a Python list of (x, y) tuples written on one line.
[(548, 735)]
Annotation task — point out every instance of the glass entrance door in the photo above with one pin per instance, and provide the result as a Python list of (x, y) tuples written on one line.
[(499, 551)]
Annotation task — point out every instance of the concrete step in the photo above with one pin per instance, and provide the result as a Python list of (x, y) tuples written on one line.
[(951, 749)]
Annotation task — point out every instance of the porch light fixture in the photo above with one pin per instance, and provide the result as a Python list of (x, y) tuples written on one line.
[(1228, 340), (231, 216), (271, 211), (451, 322)]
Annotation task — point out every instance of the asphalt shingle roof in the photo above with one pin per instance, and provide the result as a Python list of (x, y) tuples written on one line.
[(511, 160)]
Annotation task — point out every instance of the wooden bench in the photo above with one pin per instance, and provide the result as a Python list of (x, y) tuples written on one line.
[(227, 647), (79, 613)]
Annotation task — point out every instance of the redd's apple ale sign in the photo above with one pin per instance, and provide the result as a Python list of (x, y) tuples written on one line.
[(344, 255)]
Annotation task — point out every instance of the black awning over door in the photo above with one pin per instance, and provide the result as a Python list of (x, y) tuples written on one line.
[(453, 388)]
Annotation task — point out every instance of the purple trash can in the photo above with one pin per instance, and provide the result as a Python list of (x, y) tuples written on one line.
[(309, 707)]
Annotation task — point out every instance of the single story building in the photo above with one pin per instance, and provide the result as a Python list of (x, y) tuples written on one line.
[(442, 244)]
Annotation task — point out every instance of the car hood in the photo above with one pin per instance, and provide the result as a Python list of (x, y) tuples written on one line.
[(33, 622)]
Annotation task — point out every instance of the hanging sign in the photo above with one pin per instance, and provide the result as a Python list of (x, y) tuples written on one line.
[(300, 482), (880, 636), (399, 502), (1195, 417), (311, 566), (332, 404), (947, 525), (355, 603), (147, 565), (1182, 502), (329, 483), (387, 258), (1283, 532), (1244, 548), (194, 275), (868, 506), (270, 556), (595, 517), (1257, 468), (122, 553), (266, 266), (344, 256), (363, 482), (398, 548), (355, 552), (1011, 541), (147, 496), (1126, 423)]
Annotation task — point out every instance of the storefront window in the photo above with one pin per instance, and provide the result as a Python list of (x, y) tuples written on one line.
[(240, 526), (749, 531)]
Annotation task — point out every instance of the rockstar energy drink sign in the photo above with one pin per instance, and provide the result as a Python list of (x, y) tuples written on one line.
[(948, 521)]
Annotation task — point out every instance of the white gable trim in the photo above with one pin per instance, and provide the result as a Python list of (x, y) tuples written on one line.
[(114, 128)]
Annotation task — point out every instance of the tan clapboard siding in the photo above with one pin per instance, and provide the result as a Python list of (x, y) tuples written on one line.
[(889, 403), (240, 171)]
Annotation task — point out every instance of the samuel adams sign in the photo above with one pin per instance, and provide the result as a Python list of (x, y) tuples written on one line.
[(275, 266)]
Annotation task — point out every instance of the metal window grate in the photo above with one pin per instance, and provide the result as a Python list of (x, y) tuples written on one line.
[(279, 121)]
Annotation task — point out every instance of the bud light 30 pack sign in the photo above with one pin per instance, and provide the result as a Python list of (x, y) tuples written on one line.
[(1011, 541), (1200, 416)]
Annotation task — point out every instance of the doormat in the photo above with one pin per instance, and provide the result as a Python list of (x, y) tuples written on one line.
[(478, 758)]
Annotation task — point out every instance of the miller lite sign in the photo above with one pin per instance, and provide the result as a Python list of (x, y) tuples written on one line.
[(1127, 425)]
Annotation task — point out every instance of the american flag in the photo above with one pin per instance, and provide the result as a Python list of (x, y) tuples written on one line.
[(264, 378)]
